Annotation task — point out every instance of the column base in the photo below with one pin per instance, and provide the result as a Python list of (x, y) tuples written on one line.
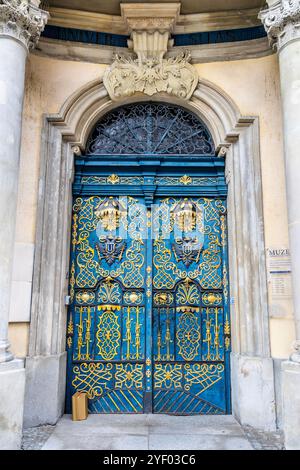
[(291, 404), (253, 394), (45, 389), (12, 387), (5, 354)]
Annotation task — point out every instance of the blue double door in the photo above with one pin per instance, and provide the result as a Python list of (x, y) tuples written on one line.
[(148, 325)]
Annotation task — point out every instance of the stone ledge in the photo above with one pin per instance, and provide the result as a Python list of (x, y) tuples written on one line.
[(98, 54), (213, 21)]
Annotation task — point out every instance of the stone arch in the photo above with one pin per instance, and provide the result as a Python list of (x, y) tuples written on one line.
[(236, 138)]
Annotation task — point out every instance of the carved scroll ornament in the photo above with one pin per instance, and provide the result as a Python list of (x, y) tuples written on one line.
[(150, 28), (127, 76)]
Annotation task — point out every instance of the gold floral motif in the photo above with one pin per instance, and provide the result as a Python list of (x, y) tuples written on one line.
[(163, 298), (227, 327), (133, 297), (88, 333), (72, 281), (113, 179), (187, 293), (108, 334), (70, 329), (129, 376), (211, 298), (137, 333), (80, 333), (168, 376), (128, 334), (109, 292), (185, 179), (225, 283), (74, 233), (85, 297), (223, 230), (227, 343), (213, 328), (188, 336)]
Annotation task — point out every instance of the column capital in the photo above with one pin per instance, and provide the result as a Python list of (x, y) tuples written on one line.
[(22, 20), (282, 22)]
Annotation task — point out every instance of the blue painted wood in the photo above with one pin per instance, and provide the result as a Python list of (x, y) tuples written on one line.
[(221, 36), (189, 312), (118, 40)]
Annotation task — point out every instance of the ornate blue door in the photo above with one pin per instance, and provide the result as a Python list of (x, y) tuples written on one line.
[(148, 323), (190, 312), (107, 321)]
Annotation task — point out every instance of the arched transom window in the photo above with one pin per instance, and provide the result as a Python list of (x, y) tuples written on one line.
[(150, 129)]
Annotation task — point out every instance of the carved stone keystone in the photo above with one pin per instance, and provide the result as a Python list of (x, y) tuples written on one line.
[(150, 27)]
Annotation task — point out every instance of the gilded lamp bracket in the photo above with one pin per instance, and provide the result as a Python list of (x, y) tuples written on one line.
[(150, 27)]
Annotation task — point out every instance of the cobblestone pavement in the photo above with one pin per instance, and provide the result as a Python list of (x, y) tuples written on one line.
[(152, 432), (261, 440), (35, 438)]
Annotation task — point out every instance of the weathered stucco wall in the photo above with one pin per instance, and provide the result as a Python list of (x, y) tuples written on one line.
[(252, 84)]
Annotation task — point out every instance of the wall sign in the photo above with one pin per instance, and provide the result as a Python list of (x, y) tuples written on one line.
[(279, 280)]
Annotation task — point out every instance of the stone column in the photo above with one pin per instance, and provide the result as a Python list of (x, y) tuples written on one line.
[(282, 23), (20, 26)]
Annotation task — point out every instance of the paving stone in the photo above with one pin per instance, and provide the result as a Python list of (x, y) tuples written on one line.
[(154, 432), (192, 442), (96, 442), (35, 438)]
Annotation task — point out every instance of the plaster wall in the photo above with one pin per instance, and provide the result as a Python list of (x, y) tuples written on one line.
[(252, 84)]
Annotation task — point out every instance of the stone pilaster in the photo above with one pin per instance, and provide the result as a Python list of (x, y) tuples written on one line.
[(21, 24), (282, 23)]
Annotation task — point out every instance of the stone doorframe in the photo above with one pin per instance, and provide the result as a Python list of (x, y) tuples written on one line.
[(64, 134)]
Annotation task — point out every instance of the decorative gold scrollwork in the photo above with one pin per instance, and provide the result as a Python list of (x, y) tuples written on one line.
[(113, 179), (213, 328), (188, 336), (129, 376), (133, 297), (72, 281), (163, 298), (187, 293), (109, 292), (205, 375), (212, 298), (185, 179), (92, 378), (168, 376), (108, 332), (84, 297)]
